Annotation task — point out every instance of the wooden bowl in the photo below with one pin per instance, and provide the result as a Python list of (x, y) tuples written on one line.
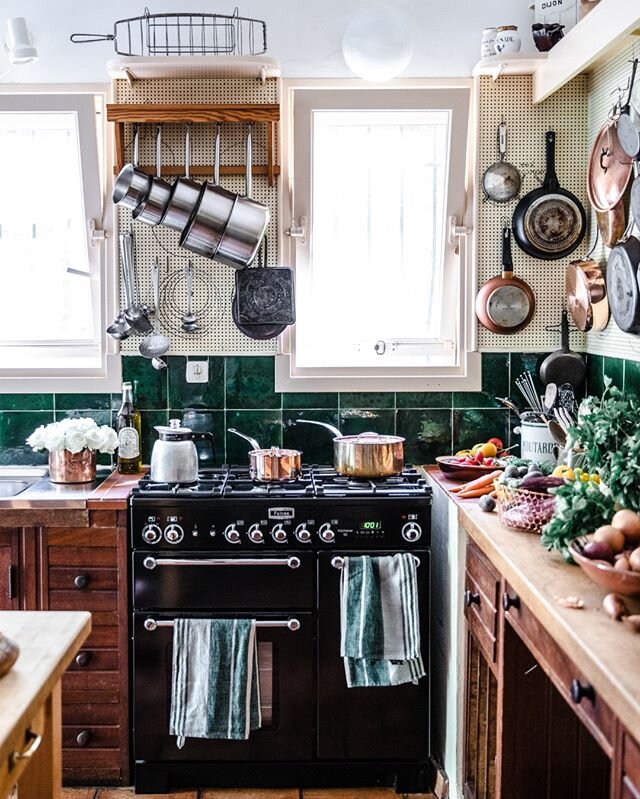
[(603, 574), (463, 471)]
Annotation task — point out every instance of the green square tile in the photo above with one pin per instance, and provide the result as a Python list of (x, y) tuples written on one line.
[(315, 442), (427, 434), (148, 420), (15, 427), (595, 375), (474, 426), (250, 383), (195, 395), (358, 420), (631, 377), (210, 422), (26, 402), (71, 402), (495, 383), (149, 385), (614, 368), (264, 426), (424, 399), (525, 362), (367, 399), (296, 399)]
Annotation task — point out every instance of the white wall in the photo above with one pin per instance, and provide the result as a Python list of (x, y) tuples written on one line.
[(304, 34)]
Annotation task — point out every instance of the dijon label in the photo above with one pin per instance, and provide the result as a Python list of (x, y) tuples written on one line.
[(128, 443)]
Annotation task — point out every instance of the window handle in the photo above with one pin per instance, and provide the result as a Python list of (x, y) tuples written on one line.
[(96, 235), (299, 230), (456, 232)]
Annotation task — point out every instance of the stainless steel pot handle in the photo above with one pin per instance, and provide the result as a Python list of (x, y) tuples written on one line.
[(338, 562), (329, 427), (248, 178), (158, 151), (187, 152), (293, 562), (216, 156), (252, 441), (136, 145), (291, 624)]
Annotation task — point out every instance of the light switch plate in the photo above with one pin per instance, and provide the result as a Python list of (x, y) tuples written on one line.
[(197, 371)]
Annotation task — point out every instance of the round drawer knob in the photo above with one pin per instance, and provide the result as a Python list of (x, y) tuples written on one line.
[(471, 598), (510, 601), (81, 581), (580, 691), (82, 659), (83, 738)]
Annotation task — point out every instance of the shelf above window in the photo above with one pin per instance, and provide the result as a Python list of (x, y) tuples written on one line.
[(196, 66), (518, 64)]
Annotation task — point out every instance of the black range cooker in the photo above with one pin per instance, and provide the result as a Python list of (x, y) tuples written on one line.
[(226, 547)]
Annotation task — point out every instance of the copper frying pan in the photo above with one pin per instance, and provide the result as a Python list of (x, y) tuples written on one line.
[(505, 304), (609, 168), (611, 224), (587, 295)]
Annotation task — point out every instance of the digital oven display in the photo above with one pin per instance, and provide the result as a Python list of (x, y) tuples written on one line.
[(369, 525)]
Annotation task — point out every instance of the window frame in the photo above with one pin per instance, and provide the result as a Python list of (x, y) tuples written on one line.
[(108, 376), (466, 375)]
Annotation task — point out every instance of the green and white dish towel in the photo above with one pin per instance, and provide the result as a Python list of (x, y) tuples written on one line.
[(215, 691), (380, 621)]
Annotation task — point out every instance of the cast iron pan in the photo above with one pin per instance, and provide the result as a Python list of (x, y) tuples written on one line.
[(549, 222), (265, 295), (563, 366), (622, 284), (505, 304)]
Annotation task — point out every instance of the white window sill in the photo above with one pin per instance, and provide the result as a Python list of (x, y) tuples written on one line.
[(108, 379)]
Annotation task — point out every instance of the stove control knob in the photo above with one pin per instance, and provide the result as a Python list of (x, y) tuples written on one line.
[(326, 534), (151, 534), (411, 531), (232, 535), (255, 534), (302, 534), (279, 534), (173, 534)]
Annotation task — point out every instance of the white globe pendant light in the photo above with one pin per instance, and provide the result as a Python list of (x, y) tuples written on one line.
[(377, 44)]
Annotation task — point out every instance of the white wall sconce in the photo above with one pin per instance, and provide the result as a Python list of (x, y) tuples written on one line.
[(18, 42), (377, 43)]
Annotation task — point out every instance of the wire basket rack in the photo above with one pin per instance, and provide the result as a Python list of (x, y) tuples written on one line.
[(184, 33), (526, 511)]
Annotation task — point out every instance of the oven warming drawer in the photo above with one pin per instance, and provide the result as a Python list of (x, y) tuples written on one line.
[(243, 582)]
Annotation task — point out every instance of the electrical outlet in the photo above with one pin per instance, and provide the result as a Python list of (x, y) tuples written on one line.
[(197, 371)]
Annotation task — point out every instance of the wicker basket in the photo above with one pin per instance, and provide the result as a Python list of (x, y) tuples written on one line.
[(526, 511)]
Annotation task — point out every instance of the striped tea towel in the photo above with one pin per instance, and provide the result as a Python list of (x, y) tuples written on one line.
[(214, 688), (379, 620)]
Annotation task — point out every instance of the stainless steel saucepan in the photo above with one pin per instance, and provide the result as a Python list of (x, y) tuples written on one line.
[(152, 208), (185, 193), (132, 184), (366, 455), (273, 464)]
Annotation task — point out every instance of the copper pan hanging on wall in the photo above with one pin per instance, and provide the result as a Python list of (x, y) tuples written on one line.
[(609, 168), (587, 295)]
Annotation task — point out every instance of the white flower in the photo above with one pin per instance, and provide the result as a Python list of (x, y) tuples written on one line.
[(74, 435), (54, 438), (75, 440), (110, 440), (94, 437), (36, 439)]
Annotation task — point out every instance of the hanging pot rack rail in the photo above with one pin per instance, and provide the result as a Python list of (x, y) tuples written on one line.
[(182, 113)]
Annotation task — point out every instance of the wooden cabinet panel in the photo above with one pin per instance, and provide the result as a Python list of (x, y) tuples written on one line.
[(480, 725), (70, 578), (80, 555), (9, 576), (90, 713), (90, 736), (83, 600), (630, 787), (95, 660), (482, 584)]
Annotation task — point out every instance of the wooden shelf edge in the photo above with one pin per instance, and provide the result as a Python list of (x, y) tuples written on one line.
[(185, 67), (138, 112), (599, 33), (171, 171), (495, 66)]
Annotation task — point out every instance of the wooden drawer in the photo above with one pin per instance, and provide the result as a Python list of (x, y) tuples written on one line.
[(82, 556), (19, 741), (90, 759), (570, 682), (89, 578), (483, 573), (102, 636), (90, 713), (90, 681), (90, 736), (630, 767), (95, 660), (481, 617)]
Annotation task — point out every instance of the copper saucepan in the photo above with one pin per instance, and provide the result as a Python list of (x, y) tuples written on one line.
[(273, 464), (366, 455), (587, 295), (609, 168)]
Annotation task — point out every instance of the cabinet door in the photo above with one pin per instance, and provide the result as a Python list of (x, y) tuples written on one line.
[(9, 570), (630, 787)]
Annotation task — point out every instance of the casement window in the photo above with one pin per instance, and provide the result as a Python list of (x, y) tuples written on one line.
[(54, 302), (376, 176)]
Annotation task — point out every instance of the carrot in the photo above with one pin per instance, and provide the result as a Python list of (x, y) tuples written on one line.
[(486, 479), (477, 492)]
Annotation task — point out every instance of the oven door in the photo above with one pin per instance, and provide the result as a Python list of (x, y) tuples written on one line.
[(367, 723), (285, 659), (206, 580)]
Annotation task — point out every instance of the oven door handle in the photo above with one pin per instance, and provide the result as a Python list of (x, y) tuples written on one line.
[(293, 562), (291, 624), (338, 562)]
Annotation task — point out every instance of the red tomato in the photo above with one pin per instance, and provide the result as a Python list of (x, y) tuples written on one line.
[(497, 442)]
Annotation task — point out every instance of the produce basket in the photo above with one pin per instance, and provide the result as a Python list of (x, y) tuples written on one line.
[(526, 511)]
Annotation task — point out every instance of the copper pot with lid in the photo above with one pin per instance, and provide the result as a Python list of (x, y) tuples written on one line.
[(587, 295), (365, 455), (273, 464)]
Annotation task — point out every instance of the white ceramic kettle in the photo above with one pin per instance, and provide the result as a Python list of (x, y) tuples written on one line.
[(174, 458)]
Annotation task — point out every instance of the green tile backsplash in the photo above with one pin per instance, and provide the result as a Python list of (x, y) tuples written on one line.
[(241, 394)]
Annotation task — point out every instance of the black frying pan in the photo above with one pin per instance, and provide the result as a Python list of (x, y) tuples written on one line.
[(563, 366), (549, 222)]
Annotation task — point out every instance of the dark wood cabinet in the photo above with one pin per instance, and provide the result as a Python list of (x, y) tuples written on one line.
[(9, 570)]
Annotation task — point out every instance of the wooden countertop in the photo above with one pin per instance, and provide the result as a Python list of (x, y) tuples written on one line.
[(48, 641), (607, 652)]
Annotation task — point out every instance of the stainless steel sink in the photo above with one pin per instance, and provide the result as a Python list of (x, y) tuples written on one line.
[(16, 479), (10, 488)]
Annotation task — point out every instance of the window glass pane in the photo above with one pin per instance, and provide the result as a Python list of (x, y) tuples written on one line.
[(379, 183), (43, 247)]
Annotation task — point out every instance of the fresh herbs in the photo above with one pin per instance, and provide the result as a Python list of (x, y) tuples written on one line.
[(546, 468), (581, 507)]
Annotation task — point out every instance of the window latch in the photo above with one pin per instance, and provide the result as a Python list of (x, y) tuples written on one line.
[(456, 232), (96, 235), (299, 230)]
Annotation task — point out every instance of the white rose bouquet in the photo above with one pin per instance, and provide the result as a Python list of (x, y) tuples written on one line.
[(74, 435)]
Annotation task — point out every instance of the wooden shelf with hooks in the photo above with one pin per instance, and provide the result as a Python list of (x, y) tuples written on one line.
[(182, 113)]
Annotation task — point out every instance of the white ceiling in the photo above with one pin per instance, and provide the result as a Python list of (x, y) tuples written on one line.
[(304, 35)]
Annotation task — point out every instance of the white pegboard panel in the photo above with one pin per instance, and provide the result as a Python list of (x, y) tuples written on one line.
[(565, 113), (213, 284), (603, 84)]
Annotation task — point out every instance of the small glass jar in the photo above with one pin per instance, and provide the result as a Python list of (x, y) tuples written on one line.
[(488, 42), (508, 40)]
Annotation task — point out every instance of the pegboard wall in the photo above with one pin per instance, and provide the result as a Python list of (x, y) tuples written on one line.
[(565, 113), (213, 282), (604, 83)]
